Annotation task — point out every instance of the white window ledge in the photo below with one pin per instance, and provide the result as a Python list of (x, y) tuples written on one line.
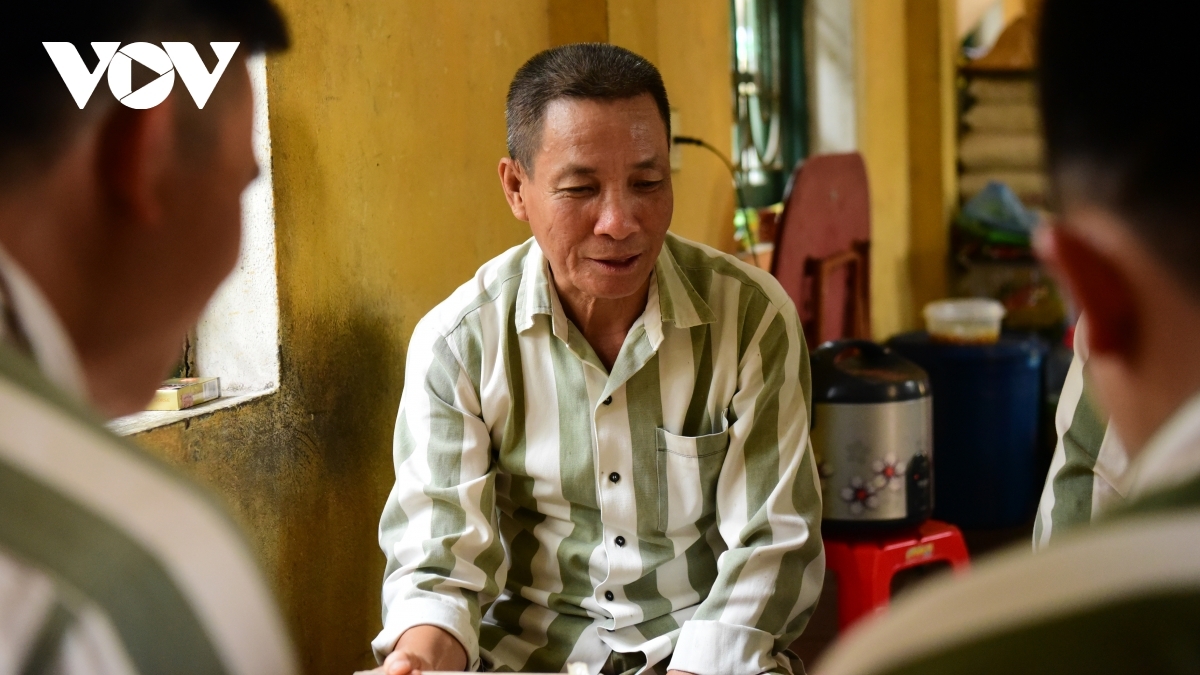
[(152, 419)]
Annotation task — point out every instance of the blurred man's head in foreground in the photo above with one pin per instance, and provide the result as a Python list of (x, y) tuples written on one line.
[(1122, 149), (126, 219)]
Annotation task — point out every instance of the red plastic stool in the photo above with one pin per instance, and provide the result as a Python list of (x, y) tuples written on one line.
[(865, 567)]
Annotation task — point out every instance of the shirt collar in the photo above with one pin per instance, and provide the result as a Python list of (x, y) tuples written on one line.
[(672, 297), (536, 295), (681, 304), (1171, 457), (48, 341)]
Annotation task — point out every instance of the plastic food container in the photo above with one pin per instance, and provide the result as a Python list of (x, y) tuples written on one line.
[(969, 321)]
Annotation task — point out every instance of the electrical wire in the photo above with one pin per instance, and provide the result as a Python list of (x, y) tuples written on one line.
[(737, 185)]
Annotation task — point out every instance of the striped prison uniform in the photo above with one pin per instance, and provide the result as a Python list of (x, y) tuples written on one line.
[(547, 510), (110, 562), (1089, 460)]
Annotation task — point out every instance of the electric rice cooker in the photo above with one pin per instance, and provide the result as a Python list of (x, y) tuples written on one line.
[(872, 433)]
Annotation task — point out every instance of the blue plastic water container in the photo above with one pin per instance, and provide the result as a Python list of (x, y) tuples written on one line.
[(986, 406)]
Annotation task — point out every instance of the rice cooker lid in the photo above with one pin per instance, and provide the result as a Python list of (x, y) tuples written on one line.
[(861, 371)]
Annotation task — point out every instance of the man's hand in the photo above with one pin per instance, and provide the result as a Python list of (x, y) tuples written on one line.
[(423, 648)]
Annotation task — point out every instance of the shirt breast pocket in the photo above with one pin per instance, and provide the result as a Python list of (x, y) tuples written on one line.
[(688, 470)]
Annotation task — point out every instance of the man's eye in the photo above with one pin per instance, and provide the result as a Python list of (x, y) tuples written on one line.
[(578, 190), (647, 184)]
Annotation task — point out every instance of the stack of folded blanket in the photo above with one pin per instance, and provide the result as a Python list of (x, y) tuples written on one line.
[(1001, 140)]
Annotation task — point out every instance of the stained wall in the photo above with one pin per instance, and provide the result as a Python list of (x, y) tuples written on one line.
[(386, 126)]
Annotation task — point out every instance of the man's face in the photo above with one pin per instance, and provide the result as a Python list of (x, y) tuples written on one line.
[(600, 199)]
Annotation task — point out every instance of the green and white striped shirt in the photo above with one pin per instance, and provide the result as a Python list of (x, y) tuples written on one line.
[(547, 510), (1085, 476), (111, 563)]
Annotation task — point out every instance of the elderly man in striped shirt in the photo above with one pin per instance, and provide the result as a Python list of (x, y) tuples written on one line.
[(602, 451)]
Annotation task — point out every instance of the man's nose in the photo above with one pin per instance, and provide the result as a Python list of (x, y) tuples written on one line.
[(617, 218)]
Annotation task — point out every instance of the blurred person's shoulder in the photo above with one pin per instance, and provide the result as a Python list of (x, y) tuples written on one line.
[(47, 627), (126, 551), (35, 412)]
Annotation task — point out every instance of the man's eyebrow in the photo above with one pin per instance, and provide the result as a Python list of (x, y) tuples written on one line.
[(572, 170), (576, 170)]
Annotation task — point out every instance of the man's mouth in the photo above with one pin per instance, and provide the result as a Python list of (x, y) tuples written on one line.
[(617, 264)]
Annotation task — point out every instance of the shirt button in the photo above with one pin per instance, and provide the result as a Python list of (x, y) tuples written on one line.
[(608, 595), (620, 540), (614, 477), (608, 401)]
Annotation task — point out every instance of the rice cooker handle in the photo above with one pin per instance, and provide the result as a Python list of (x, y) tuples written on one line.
[(873, 351)]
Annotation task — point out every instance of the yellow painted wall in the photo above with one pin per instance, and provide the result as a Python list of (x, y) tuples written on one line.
[(882, 109), (689, 41), (633, 24), (387, 121), (905, 51), (931, 46), (578, 21), (694, 56)]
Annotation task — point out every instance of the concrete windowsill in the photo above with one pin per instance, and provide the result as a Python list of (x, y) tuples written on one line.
[(152, 419)]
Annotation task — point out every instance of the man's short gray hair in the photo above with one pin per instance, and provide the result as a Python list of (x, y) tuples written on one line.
[(577, 71)]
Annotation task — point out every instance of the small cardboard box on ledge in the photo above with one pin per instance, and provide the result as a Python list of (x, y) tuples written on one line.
[(183, 393)]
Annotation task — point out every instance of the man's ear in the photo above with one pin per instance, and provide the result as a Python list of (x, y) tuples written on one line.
[(136, 150), (512, 178), (1098, 285)]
